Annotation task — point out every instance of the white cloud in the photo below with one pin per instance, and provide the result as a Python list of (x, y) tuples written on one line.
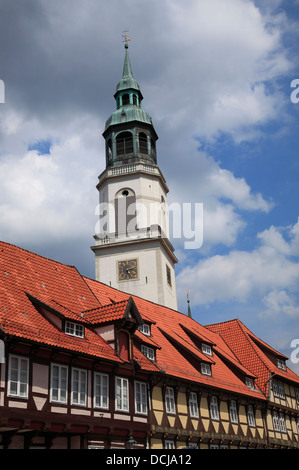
[(239, 275), (225, 52), (224, 184), (280, 302), (46, 197), (225, 198)]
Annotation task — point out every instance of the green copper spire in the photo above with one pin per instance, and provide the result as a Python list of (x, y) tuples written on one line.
[(129, 132), (127, 82)]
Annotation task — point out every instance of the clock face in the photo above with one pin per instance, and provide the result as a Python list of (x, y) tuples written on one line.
[(127, 270)]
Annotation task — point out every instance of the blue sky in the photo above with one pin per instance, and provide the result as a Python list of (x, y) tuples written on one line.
[(216, 79)]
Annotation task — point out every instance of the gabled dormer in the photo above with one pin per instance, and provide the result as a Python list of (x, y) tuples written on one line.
[(116, 323), (63, 319)]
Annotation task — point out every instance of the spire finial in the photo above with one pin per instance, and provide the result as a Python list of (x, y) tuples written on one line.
[(126, 38), (188, 301)]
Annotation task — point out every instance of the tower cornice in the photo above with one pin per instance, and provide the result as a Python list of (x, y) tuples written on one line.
[(132, 169)]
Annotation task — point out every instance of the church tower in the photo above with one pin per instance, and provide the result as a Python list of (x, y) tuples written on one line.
[(132, 248)]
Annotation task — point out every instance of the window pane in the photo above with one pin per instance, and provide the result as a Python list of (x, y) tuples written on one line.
[(122, 398), (169, 400), (193, 405), (58, 383), (101, 390), (233, 412), (18, 376), (140, 398)]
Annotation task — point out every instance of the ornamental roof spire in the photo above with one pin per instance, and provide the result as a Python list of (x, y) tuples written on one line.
[(127, 81)]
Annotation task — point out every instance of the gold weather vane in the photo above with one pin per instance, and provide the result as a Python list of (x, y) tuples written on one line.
[(126, 37)]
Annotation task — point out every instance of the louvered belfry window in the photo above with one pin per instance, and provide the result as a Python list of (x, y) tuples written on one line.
[(124, 143)]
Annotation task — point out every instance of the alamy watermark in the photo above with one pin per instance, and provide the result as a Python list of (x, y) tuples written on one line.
[(295, 93), (294, 357), (182, 221), (2, 92)]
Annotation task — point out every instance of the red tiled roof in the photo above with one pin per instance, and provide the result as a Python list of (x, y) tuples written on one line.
[(173, 357), (25, 276), (31, 284), (251, 351), (107, 313)]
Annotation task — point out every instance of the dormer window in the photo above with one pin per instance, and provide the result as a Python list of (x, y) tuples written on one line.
[(148, 352), (206, 349), (281, 364), (250, 383), (145, 329), (206, 368), (74, 329)]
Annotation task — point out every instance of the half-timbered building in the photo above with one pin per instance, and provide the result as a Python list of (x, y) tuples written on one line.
[(84, 365)]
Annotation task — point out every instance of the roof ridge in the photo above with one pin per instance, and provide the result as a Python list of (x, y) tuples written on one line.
[(195, 351), (138, 297), (19, 248), (100, 307)]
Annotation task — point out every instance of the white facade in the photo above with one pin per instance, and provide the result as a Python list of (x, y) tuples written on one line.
[(146, 240)]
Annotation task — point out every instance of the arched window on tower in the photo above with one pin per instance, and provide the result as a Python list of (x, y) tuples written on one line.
[(125, 211), (153, 151), (143, 143), (134, 99), (124, 143), (125, 99), (109, 151)]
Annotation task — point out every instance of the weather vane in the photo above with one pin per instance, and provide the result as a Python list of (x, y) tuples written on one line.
[(126, 37)]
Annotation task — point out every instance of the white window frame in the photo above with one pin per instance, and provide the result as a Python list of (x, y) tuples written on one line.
[(278, 389), (79, 387), (282, 422), (249, 383), (281, 391), (279, 423), (148, 352), (206, 349), (169, 400), (297, 395), (140, 389), (74, 329), (275, 419), (169, 444), (206, 368), (233, 411), (145, 329), (121, 394), (281, 364), (61, 385), (251, 416), (18, 377), (214, 409), (101, 391), (193, 405)]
